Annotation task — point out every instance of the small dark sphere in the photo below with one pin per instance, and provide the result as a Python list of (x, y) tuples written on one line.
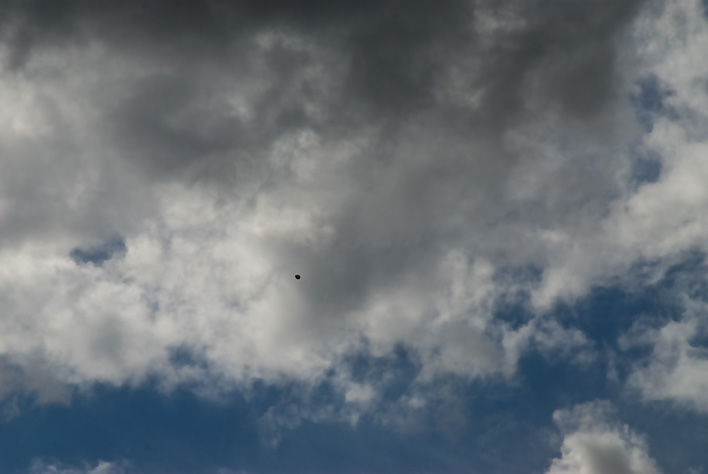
[(297, 277)]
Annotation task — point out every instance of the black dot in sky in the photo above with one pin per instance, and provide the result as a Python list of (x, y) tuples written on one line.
[(297, 277)]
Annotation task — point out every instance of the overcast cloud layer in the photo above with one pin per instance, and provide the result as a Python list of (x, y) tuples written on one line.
[(167, 167)]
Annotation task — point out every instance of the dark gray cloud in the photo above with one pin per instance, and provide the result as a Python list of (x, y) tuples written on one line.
[(400, 73), (403, 69), (396, 51)]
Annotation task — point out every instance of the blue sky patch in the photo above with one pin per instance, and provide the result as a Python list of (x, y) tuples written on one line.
[(98, 254)]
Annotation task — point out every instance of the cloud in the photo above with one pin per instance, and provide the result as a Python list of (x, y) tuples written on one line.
[(592, 444), (32, 379), (676, 368), (102, 467), (661, 220), (400, 158)]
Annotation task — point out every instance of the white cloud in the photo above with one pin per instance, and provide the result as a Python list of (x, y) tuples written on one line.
[(102, 467), (677, 369), (659, 220), (592, 444)]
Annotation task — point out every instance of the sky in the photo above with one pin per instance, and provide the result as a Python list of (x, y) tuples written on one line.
[(498, 210)]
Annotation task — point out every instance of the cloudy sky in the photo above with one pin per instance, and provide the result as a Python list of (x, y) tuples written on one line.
[(499, 210)]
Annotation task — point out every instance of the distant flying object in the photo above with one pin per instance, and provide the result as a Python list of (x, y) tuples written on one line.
[(297, 276)]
